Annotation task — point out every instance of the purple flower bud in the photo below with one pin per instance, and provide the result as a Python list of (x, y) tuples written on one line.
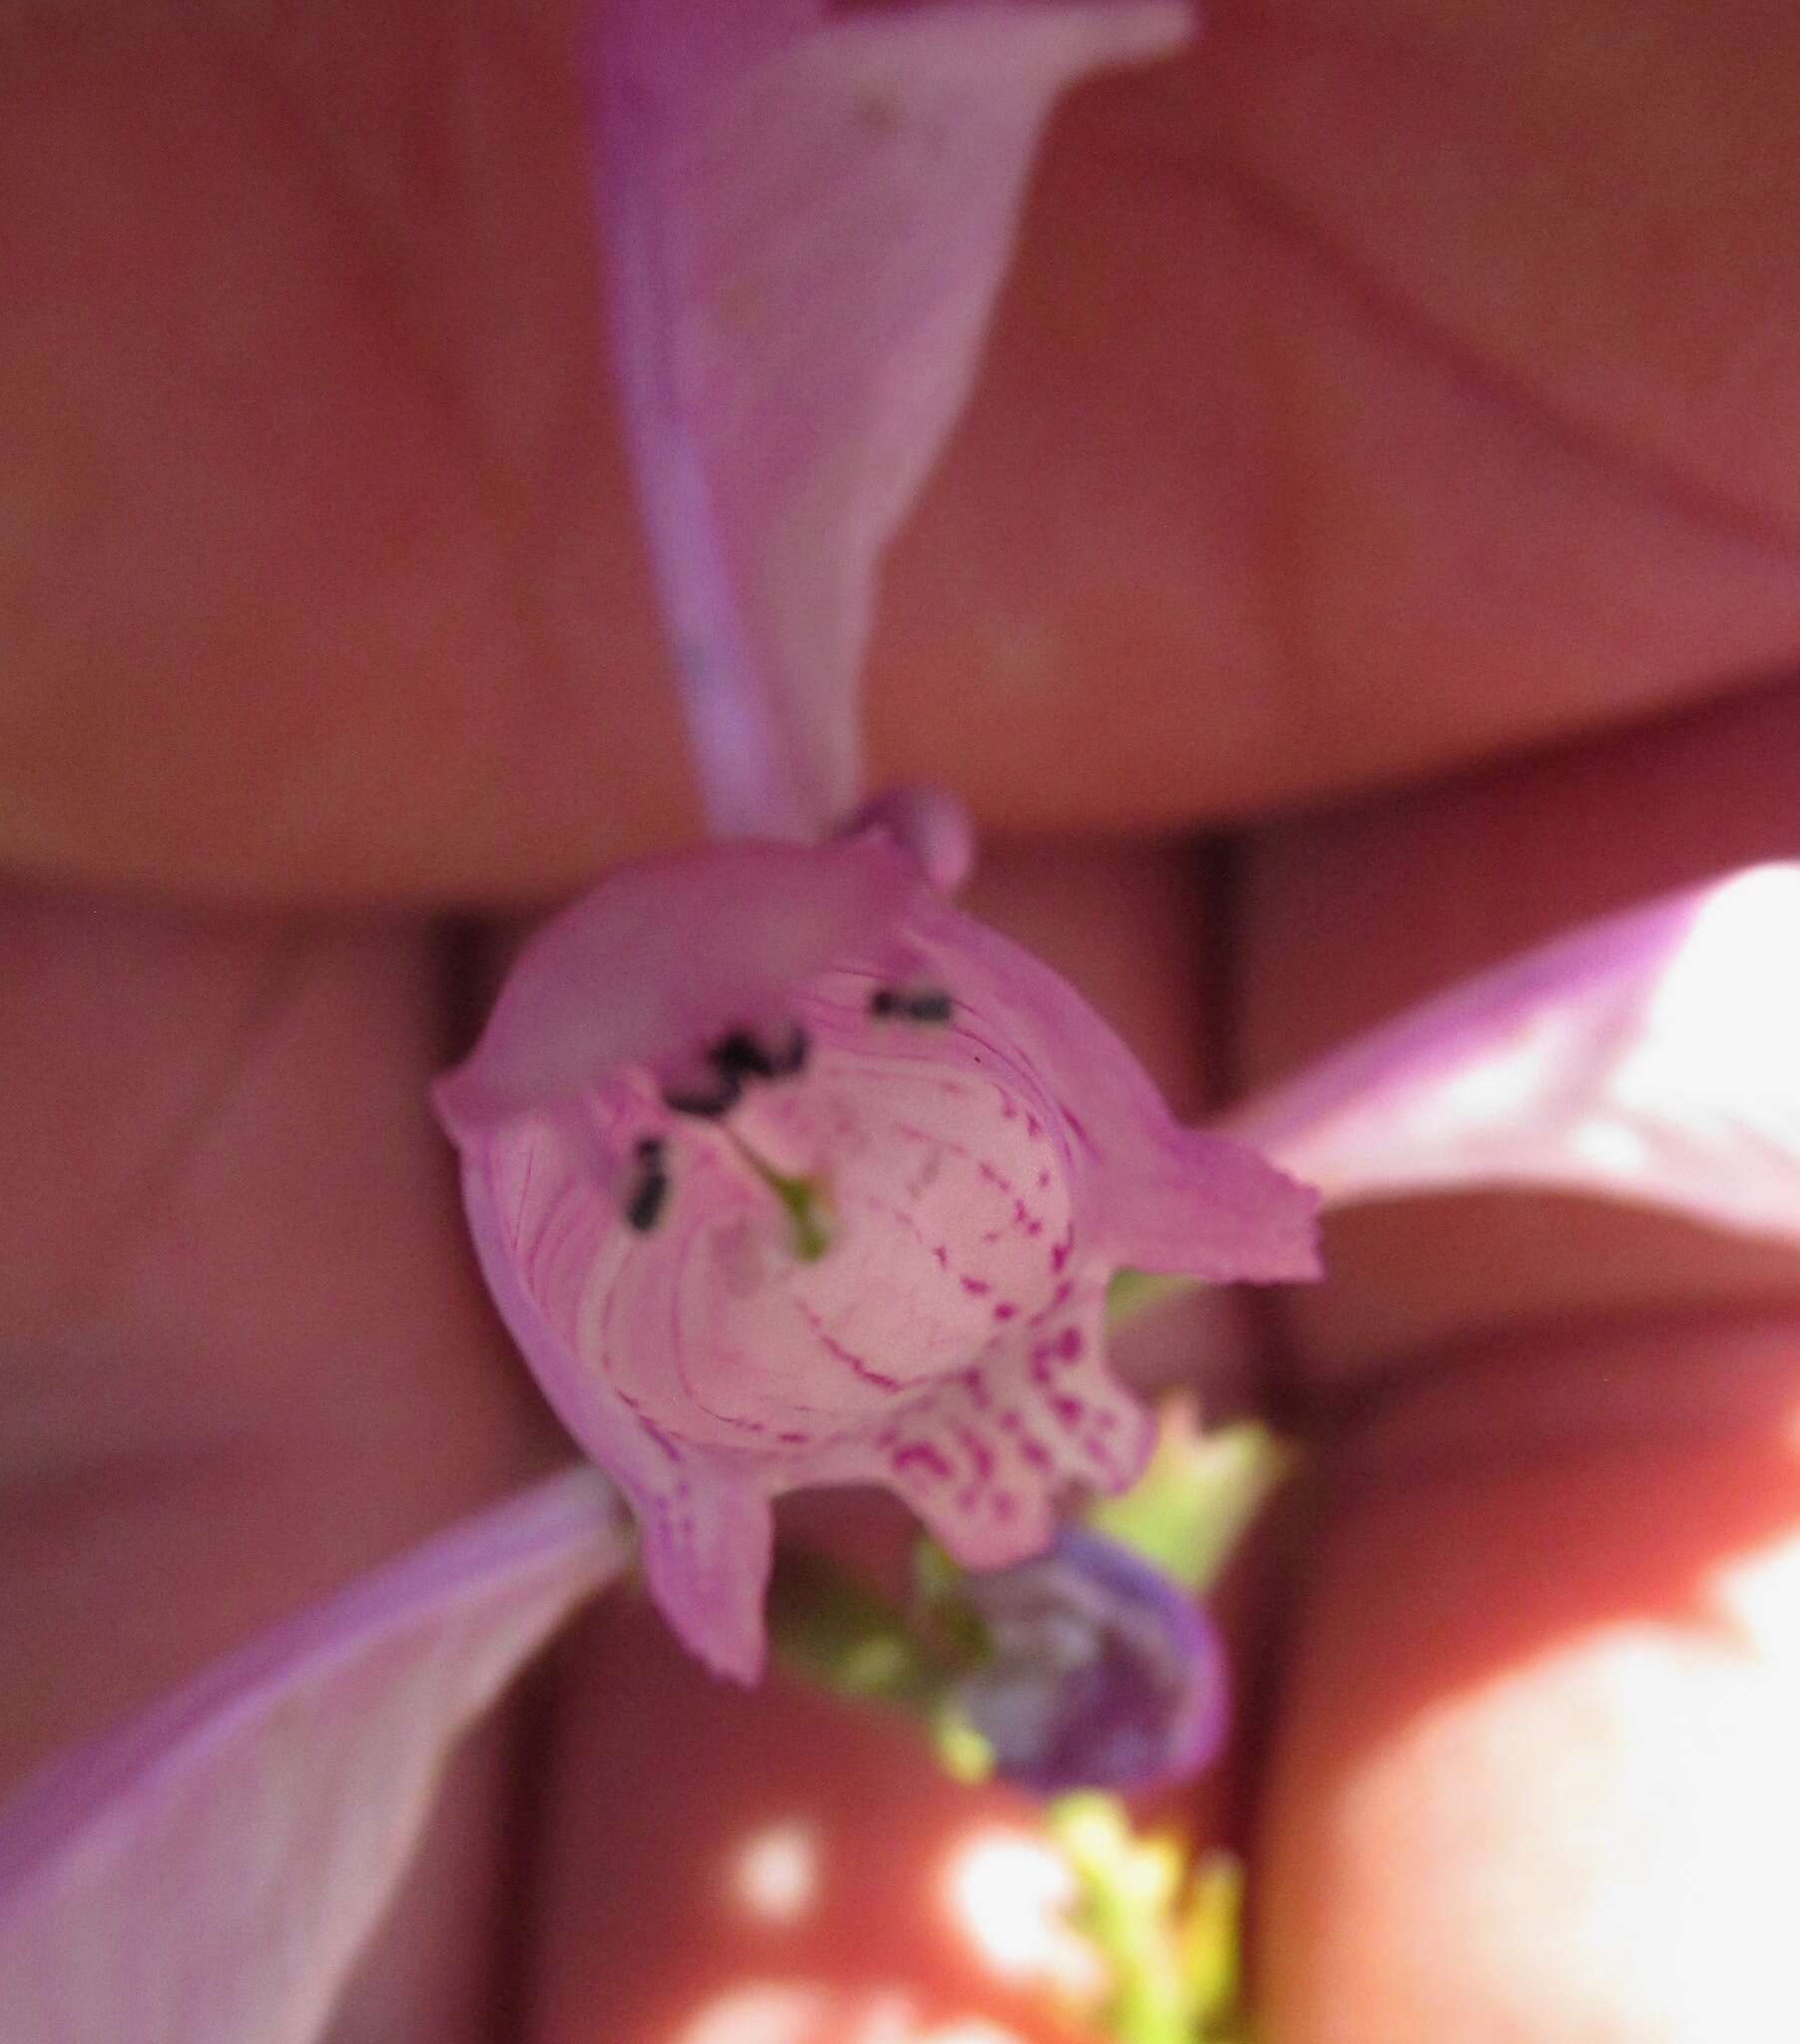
[(1104, 1673)]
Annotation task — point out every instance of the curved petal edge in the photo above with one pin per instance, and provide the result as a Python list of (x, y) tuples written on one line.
[(1653, 1057), (208, 1872)]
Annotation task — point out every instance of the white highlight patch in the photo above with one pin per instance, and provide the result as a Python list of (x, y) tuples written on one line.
[(785, 2012), (1010, 1894), (765, 2012), (775, 1873)]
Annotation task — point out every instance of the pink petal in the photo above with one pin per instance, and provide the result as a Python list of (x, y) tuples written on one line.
[(207, 1873), (808, 211), (1163, 1198), (930, 825), (707, 1529), (1653, 1057)]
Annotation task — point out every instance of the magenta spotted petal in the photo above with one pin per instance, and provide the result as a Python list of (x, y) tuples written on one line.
[(856, 1227)]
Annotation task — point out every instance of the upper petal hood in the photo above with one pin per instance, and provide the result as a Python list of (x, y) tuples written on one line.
[(664, 953)]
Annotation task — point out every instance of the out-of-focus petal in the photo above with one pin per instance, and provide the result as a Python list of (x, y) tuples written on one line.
[(808, 211), (207, 1873), (1653, 1057), (1103, 1672)]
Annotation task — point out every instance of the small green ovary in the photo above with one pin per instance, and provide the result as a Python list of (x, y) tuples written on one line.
[(803, 1200)]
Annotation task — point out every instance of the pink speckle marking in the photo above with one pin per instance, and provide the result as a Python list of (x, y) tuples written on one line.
[(1005, 1310), (981, 1456), (1069, 1343), (977, 1287), (1058, 1254), (1070, 1411), (847, 1356), (919, 1455), (1035, 1452)]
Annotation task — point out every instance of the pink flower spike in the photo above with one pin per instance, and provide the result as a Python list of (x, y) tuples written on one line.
[(208, 1872), (858, 1232), (808, 211), (1653, 1057)]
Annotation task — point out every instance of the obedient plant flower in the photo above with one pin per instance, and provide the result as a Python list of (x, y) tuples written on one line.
[(1103, 1672), (1652, 1051), (828, 1188), (807, 212)]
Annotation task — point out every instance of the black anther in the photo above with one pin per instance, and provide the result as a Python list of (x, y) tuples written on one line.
[(741, 1056), (706, 1101), (649, 1195), (912, 1005), (744, 1056)]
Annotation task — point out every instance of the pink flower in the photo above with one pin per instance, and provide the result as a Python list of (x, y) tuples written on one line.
[(808, 217), (828, 1188), (1651, 1055), (808, 211)]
